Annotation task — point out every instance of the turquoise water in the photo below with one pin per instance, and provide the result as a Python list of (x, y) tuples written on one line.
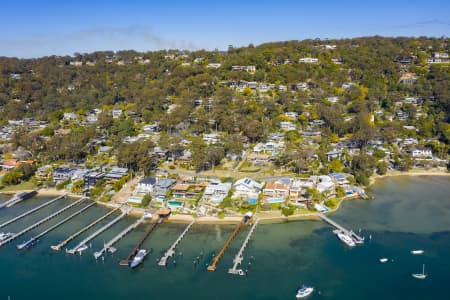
[(175, 203), (405, 214)]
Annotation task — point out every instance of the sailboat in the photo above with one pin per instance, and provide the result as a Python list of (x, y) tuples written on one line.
[(420, 275)]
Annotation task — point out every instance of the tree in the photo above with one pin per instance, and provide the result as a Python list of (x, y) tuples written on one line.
[(78, 186)]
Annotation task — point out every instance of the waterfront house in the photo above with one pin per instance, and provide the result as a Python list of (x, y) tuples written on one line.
[(247, 188), (43, 173), (183, 191), (276, 189), (62, 174), (216, 191), (90, 179), (325, 184), (146, 185), (162, 186)]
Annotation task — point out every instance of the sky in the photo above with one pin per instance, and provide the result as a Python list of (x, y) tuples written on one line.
[(36, 28)]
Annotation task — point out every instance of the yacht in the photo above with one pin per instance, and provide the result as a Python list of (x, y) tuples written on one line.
[(384, 260), (346, 239), (304, 291), (420, 275), (417, 252), (138, 258), (4, 236)]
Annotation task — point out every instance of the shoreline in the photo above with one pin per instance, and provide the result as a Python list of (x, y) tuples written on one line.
[(410, 173), (186, 218)]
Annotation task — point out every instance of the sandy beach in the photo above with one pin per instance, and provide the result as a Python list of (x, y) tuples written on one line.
[(413, 172)]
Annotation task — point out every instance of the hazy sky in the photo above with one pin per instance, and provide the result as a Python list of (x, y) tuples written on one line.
[(38, 28)]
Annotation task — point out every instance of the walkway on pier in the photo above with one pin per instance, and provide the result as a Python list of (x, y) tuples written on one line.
[(66, 241), (96, 233), (356, 238), (32, 211), (108, 245), (171, 251), (14, 236), (240, 256), (136, 248), (35, 238), (216, 259)]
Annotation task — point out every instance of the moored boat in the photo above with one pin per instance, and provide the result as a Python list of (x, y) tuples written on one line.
[(420, 275), (304, 291), (417, 252), (383, 260), (4, 236), (138, 258), (346, 239)]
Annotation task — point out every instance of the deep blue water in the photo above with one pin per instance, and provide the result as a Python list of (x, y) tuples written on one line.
[(405, 214)]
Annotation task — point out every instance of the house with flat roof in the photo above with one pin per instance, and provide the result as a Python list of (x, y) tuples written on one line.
[(116, 173), (216, 191)]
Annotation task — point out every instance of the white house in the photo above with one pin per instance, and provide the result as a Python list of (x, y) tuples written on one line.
[(291, 114), (325, 184), (247, 188), (333, 99), (146, 185), (288, 126), (116, 113), (421, 153), (309, 60), (70, 116), (214, 65), (216, 191)]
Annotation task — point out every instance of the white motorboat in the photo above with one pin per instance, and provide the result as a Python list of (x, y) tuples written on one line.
[(420, 275), (417, 252), (4, 236), (138, 258), (304, 291), (346, 239), (384, 260)]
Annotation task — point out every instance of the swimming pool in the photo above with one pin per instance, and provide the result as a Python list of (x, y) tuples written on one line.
[(274, 200), (175, 203), (252, 200)]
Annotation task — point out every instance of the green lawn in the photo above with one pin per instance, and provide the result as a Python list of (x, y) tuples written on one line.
[(27, 185)]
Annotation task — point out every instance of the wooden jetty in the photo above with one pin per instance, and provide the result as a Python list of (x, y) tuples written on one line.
[(240, 255)]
